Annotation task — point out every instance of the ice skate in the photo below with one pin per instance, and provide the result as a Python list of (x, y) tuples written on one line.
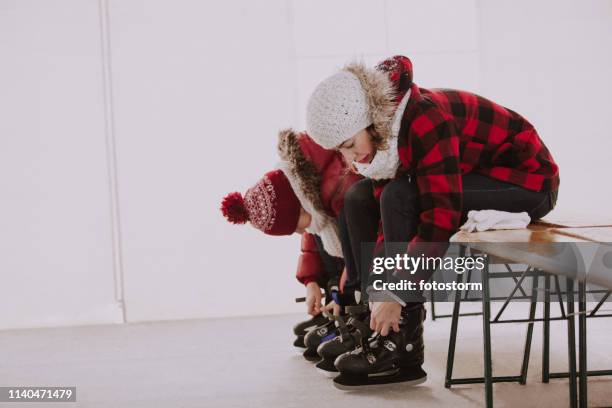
[(321, 334), (351, 332), (301, 329), (383, 360)]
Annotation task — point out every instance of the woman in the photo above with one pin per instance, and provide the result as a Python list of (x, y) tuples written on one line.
[(430, 156)]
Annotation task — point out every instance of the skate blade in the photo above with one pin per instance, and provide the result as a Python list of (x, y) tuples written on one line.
[(312, 359), (365, 386), (328, 374), (311, 355)]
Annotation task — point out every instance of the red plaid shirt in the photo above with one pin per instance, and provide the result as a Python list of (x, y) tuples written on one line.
[(446, 133)]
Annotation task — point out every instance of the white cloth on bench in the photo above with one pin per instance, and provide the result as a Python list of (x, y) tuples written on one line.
[(484, 220)]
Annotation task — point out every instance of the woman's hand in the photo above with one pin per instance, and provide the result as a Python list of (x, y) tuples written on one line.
[(313, 298), (385, 315)]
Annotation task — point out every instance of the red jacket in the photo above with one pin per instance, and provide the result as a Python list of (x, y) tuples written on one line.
[(327, 175), (310, 266), (446, 133)]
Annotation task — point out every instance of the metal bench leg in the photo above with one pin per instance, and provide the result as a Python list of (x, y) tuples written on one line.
[(532, 312), (450, 359), (433, 306), (582, 345), (486, 326), (571, 343), (546, 334)]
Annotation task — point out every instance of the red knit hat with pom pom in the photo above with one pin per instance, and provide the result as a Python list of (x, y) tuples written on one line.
[(270, 205)]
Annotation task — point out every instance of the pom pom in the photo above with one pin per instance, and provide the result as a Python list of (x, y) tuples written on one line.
[(233, 208)]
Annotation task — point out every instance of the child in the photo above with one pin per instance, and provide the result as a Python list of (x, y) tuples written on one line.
[(304, 195), (429, 156)]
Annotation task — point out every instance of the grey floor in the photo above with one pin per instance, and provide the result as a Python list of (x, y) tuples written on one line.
[(248, 362)]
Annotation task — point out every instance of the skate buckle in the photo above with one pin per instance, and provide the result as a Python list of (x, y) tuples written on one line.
[(389, 345)]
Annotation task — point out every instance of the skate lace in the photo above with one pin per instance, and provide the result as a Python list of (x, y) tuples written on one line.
[(367, 344), (342, 327)]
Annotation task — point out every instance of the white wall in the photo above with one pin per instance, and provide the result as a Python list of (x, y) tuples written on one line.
[(200, 88), (195, 94), (55, 225), (371, 31), (550, 60)]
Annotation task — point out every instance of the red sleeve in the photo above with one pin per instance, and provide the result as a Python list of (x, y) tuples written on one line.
[(310, 267)]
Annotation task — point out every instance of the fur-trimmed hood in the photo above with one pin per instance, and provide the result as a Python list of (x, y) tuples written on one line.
[(303, 169), (380, 97), (384, 87), (319, 179), (388, 89)]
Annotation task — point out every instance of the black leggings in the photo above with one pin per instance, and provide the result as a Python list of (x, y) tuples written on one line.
[(399, 210)]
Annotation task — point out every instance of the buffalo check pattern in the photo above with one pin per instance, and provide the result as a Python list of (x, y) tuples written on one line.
[(448, 133)]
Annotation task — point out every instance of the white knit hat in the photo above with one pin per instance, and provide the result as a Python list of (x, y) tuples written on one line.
[(349, 101), (337, 109)]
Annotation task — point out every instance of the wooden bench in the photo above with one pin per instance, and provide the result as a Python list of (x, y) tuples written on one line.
[(523, 247)]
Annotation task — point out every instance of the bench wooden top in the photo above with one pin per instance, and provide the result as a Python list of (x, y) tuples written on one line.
[(537, 233), (555, 227), (524, 246), (532, 234), (593, 234)]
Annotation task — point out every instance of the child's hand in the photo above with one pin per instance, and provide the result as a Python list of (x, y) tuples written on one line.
[(333, 307), (313, 298)]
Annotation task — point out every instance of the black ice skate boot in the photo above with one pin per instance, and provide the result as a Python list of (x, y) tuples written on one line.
[(321, 334), (356, 327), (301, 329), (395, 358)]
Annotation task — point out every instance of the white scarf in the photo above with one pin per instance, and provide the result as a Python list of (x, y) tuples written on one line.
[(385, 162)]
